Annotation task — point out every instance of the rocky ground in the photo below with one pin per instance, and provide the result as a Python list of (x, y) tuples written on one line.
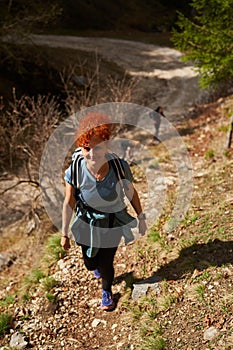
[(189, 302), (73, 320)]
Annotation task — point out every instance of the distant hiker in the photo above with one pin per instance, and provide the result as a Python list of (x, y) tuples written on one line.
[(156, 117), (97, 182), (127, 151)]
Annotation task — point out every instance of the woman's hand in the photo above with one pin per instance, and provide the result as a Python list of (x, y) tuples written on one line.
[(142, 227), (65, 242)]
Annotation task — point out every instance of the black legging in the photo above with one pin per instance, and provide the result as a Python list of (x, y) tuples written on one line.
[(103, 261)]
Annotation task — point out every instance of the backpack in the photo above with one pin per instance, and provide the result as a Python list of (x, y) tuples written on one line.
[(94, 218)]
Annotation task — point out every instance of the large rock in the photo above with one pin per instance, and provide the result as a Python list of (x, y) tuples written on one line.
[(18, 341)]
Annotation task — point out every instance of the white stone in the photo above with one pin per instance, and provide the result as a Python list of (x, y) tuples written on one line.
[(95, 322), (210, 333)]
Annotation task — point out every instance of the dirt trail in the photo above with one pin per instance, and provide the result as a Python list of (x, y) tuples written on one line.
[(164, 79)]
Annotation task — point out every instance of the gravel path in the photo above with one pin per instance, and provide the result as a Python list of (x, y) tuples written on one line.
[(164, 79)]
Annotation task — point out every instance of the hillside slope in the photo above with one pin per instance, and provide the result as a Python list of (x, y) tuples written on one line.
[(55, 304), (194, 265)]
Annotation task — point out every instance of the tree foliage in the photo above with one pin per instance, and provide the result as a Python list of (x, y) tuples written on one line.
[(207, 40)]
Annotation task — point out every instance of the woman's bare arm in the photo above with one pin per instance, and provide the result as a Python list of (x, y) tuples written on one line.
[(132, 195), (67, 212)]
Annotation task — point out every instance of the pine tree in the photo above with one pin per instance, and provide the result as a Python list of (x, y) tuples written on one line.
[(207, 40)]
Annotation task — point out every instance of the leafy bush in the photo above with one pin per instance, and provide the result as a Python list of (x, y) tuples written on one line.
[(206, 40)]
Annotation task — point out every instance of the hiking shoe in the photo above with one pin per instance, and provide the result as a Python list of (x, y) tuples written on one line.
[(97, 273), (107, 301)]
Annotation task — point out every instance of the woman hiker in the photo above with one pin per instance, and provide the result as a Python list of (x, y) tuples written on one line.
[(97, 182)]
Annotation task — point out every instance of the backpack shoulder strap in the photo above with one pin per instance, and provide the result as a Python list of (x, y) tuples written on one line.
[(115, 161), (118, 168), (76, 161)]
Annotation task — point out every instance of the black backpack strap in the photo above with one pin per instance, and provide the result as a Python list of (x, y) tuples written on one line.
[(118, 169), (75, 166), (115, 161), (75, 171)]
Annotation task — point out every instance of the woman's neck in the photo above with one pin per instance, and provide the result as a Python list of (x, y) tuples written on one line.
[(98, 172)]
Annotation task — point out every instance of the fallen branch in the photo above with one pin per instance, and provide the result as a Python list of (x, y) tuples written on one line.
[(31, 182)]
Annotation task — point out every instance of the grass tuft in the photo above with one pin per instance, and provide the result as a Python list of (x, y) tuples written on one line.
[(5, 321)]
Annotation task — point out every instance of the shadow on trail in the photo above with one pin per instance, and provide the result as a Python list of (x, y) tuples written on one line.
[(127, 277), (197, 257)]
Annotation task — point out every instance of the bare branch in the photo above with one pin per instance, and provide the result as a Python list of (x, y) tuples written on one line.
[(33, 183)]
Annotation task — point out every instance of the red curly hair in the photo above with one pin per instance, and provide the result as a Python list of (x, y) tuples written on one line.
[(93, 124)]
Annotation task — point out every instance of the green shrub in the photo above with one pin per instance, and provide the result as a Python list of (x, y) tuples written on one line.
[(154, 343), (51, 297), (154, 235), (49, 283), (5, 320), (54, 250), (209, 154), (34, 277), (206, 40), (7, 300)]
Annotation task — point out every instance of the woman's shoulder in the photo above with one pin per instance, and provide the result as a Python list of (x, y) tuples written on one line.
[(77, 154)]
